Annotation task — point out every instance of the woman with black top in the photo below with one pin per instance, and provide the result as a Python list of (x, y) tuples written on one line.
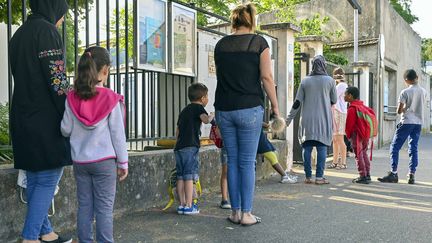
[(242, 62), (38, 104)]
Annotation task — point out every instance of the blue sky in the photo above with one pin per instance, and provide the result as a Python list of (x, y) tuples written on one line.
[(422, 9)]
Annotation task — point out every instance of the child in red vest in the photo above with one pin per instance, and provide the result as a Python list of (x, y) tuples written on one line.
[(358, 132)]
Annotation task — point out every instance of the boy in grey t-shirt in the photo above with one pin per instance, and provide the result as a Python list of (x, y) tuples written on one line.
[(410, 107)]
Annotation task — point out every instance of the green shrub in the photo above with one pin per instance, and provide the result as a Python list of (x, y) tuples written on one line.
[(5, 150), (4, 124)]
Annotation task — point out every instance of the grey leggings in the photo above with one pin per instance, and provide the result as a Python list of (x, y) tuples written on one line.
[(96, 187)]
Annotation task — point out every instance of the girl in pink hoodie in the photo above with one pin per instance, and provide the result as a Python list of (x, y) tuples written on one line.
[(94, 122)]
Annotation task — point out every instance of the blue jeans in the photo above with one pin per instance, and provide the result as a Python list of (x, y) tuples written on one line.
[(40, 190), (240, 131), (404, 131), (321, 158), (187, 163)]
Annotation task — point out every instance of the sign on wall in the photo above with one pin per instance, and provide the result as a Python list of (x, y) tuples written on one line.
[(152, 35), (207, 70), (184, 40)]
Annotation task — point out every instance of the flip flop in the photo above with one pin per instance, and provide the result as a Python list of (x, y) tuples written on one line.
[(322, 181), (257, 221), (232, 221)]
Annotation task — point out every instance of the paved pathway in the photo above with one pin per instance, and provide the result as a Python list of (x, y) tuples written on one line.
[(339, 212)]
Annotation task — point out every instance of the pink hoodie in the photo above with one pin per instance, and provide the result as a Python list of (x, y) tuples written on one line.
[(96, 127)]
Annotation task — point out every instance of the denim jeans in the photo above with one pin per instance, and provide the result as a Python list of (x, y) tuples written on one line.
[(40, 190), (404, 131), (96, 188), (187, 163), (321, 158), (240, 131)]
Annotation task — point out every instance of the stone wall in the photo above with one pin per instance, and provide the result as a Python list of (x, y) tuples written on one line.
[(341, 16), (402, 52), (146, 187), (402, 43)]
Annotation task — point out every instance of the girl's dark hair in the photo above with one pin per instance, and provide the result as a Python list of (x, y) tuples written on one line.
[(90, 64), (243, 15)]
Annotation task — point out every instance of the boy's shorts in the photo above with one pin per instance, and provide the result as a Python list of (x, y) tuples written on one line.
[(264, 145), (187, 160), (223, 156)]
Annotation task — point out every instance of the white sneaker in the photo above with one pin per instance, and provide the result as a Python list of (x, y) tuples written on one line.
[(288, 179)]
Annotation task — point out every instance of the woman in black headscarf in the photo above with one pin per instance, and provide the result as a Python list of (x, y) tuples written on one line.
[(40, 86)]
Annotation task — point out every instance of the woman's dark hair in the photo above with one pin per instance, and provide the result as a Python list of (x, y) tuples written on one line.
[(410, 75), (90, 64), (196, 91), (243, 15), (354, 91)]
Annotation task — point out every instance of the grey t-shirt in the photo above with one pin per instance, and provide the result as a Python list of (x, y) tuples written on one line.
[(413, 97), (316, 95)]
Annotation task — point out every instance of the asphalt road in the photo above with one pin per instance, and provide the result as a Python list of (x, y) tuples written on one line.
[(339, 212)]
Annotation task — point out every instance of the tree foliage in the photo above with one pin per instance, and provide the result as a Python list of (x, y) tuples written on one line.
[(403, 8), (70, 33), (219, 7), (4, 124), (426, 50), (122, 30)]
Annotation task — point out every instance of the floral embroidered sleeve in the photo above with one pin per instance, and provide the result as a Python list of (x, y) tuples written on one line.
[(51, 58)]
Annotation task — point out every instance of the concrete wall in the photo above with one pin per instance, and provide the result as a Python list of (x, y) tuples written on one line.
[(402, 43), (402, 52), (341, 16), (425, 82), (145, 188)]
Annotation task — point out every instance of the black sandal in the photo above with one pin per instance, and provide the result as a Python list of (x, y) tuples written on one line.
[(332, 166), (232, 221)]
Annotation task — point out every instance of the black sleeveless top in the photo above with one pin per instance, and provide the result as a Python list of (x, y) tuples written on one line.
[(237, 59)]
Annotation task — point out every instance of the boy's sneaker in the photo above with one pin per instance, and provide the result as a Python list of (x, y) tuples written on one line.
[(225, 205), (411, 179), (390, 178), (368, 178), (180, 210), (361, 180), (288, 179), (191, 210)]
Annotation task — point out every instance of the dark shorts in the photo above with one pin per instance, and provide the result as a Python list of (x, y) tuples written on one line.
[(187, 160), (264, 144)]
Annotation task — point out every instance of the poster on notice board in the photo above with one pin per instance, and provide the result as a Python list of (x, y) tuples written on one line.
[(152, 35)]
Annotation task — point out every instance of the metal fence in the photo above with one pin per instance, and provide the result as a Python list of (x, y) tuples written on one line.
[(153, 99)]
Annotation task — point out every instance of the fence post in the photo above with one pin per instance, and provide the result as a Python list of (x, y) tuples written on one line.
[(284, 32), (363, 68)]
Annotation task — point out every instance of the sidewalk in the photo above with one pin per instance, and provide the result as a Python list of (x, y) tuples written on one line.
[(339, 212)]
